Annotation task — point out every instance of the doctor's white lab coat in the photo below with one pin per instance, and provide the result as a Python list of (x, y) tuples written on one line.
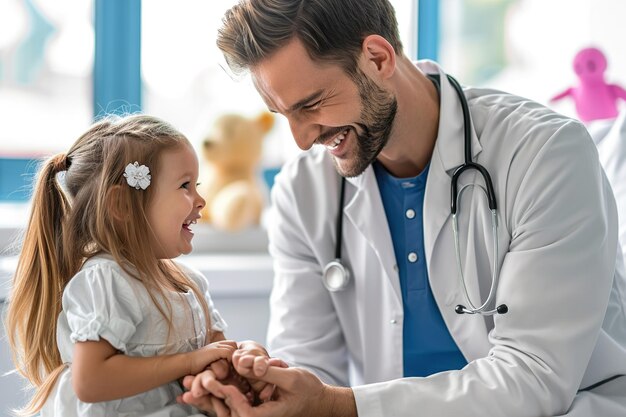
[(557, 239)]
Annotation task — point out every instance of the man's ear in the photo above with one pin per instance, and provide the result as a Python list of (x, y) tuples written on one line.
[(379, 56), (117, 204)]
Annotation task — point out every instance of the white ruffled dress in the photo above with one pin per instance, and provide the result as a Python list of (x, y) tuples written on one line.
[(102, 301)]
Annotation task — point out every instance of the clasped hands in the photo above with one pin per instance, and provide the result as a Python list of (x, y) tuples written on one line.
[(206, 390)]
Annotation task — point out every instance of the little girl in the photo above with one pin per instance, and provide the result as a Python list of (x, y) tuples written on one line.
[(101, 320)]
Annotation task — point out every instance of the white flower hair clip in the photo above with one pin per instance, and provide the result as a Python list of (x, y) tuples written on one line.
[(137, 176)]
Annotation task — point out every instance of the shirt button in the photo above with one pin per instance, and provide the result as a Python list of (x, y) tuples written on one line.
[(393, 321), (395, 267), (410, 213), (412, 257)]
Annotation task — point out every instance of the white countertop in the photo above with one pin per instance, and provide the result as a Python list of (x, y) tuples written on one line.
[(236, 264), (229, 275)]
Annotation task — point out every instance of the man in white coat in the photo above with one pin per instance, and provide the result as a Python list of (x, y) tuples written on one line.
[(391, 343)]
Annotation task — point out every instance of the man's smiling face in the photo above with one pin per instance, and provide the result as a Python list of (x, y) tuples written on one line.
[(351, 116)]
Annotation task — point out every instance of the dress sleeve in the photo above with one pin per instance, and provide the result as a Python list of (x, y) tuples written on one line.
[(218, 324), (100, 302)]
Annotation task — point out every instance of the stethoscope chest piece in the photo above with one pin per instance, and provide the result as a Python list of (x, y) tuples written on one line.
[(336, 277)]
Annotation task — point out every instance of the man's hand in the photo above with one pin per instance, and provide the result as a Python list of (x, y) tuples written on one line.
[(224, 371), (298, 393)]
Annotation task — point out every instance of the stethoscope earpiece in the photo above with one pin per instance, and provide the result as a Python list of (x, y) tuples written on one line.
[(501, 309)]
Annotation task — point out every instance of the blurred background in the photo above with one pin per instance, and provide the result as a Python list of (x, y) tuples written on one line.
[(63, 63)]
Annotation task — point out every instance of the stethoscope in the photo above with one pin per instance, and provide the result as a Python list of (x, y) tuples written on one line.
[(336, 276)]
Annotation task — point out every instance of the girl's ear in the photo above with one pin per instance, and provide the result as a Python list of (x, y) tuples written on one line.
[(117, 203)]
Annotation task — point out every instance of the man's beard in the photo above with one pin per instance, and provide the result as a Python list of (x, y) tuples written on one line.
[(378, 111)]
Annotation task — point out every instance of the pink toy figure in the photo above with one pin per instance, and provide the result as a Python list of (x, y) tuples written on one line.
[(593, 97)]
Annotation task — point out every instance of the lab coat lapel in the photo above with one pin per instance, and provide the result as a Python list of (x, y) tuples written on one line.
[(443, 275), (366, 212), (447, 156)]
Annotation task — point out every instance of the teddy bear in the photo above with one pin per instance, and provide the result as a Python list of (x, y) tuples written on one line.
[(231, 153)]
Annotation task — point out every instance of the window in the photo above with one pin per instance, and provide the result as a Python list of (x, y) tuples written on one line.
[(46, 60), (46, 86)]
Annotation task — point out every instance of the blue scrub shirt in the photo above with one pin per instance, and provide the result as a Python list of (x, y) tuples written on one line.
[(428, 347)]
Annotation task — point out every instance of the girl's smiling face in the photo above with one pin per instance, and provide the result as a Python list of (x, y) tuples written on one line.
[(176, 204)]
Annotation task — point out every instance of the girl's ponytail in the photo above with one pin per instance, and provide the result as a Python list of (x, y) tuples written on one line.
[(41, 274)]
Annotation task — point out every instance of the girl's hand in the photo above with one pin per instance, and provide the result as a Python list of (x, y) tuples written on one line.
[(251, 360), (218, 373), (201, 358), (224, 372), (199, 396)]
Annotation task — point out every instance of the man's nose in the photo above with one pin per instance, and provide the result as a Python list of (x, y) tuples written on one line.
[(303, 133)]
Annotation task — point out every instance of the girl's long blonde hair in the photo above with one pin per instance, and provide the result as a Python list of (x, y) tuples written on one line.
[(89, 210)]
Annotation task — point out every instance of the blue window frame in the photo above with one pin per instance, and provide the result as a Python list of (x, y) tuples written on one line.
[(117, 74), (428, 29), (16, 177)]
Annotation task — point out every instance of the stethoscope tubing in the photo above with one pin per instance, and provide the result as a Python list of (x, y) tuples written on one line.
[(489, 191), (339, 224), (336, 276), (335, 267)]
